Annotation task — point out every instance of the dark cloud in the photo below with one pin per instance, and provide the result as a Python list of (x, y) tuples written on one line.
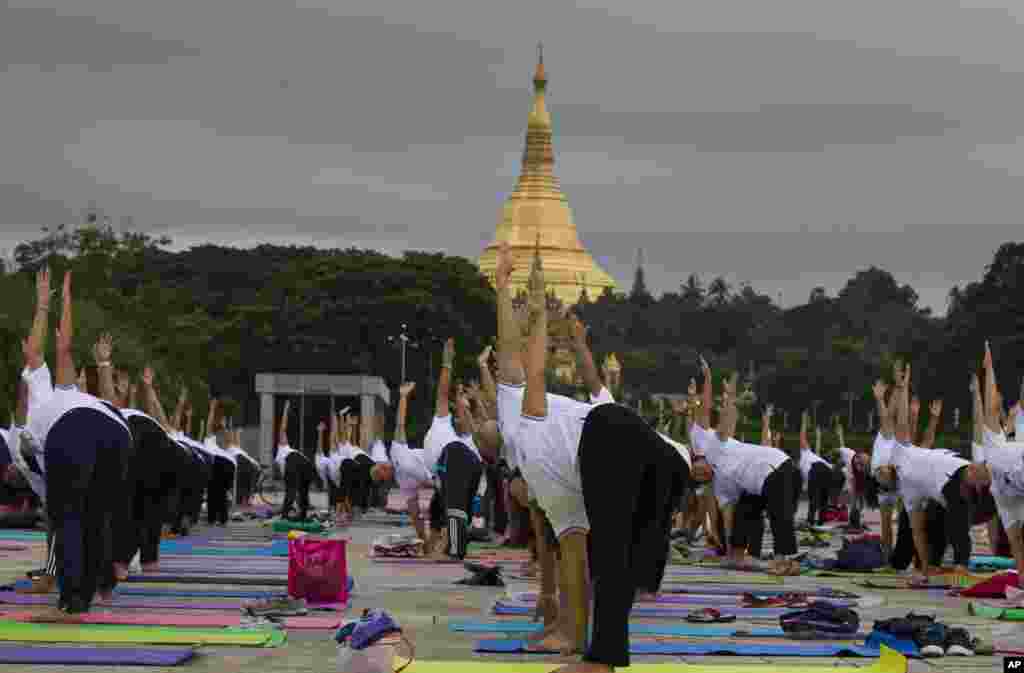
[(44, 37)]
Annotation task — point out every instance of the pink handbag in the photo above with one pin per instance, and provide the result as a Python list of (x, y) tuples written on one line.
[(317, 570)]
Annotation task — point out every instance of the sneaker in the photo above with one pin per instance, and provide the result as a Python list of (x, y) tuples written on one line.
[(959, 643), (282, 606), (932, 640)]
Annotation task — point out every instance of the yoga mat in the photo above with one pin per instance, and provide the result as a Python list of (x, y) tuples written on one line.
[(803, 649), (669, 630), (724, 602), (151, 602), (737, 589), (177, 593), (991, 563), (890, 661), (205, 621), (288, 526), (937, 582), (94, 656), (148, 635), (989, 611), (671, 613), (221, 551), (261, 580)]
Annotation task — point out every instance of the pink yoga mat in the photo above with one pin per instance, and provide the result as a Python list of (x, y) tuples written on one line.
[(211, 621)]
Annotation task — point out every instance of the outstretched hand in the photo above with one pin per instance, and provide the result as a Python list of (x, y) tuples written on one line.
[(579, 330), (935, 408), (103, 349), (406, 389), (147, 377), (879, 390), (505, 266), (43, 289), (485, 357)]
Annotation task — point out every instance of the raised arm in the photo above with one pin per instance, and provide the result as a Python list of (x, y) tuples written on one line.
[(282, 432), (179, 410), (510, 350), (321, 432), (978, 417), (902, 401), (805, 421), (991, 393), (153, 405), (885, 424), (535, 402), (65, 334), (704, 417), (727, 415), (404, 391), (35, 345), (766, 426), (442, 403), (488, 390), (934, 415), (333, 438), (211, 418), (584, 357), (101, 352), (464, 413), (915, 416)]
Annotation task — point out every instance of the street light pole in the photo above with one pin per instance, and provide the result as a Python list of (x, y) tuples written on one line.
[(404, 342)]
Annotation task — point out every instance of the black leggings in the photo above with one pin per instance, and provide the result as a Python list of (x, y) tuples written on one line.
[(356, 480), (819, 487), (629, 498), (459, 483), (222, 479), (299, 475), (776, 498), (944, 526), (85, 453)]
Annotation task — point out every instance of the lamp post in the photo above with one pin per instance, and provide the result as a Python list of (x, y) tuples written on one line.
[(849, 419), (405, 342)]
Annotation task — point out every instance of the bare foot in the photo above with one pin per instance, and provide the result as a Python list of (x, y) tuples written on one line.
[(153, 567), (554, 642), (53, 615), (539, 636), (41, 585), (646, 597), (105, 596), (121, 571)]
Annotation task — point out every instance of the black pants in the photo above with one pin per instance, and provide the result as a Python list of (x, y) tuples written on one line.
[(85, 453), (222, 479), (945, 526), (497, 514), (460, 480), (436, 511), (819, 487), (631, 481), (356, 481), (299, 475), (245, 481), (776, 498)]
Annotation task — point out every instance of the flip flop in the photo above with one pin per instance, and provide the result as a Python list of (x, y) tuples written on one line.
[(709, 616)]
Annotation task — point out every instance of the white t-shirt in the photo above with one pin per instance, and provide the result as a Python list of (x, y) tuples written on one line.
[(511, 419), (807, 460), (923, 473), (40, 387), (15, 438), (1006, 461), (45, 416), (1018, 424), (881, 452), (847, 455), (283, 451), (355, 451), (702, 439), (411, 469), (379, 452), (325, 468), (441, 434), (742, 468), (213, 449)]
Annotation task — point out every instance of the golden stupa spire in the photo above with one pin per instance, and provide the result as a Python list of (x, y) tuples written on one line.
[(537, 209)]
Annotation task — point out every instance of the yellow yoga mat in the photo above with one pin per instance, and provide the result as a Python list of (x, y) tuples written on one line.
[(149, 635), (890, 662)]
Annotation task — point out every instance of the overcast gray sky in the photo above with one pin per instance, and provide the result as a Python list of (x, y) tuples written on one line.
[(784, 143)]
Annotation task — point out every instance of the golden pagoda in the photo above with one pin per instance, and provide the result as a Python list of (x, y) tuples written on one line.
[(538, 207)]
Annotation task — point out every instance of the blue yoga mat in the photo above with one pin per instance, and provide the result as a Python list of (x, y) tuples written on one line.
[(94, 656), (991, 563), (708, 631), (223, 551), (907, 648), (769, 613), (805, 649)]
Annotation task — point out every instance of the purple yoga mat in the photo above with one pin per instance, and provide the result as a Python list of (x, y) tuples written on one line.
[(660, 612), (11, 598), (94, 656)]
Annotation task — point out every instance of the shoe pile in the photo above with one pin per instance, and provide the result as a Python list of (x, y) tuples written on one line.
[(398, 546), (820, 620), (789, 600), (933, 639)]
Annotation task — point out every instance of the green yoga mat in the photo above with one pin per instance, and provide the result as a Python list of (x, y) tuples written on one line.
[(148, 635), (995, 612), (286, 526)]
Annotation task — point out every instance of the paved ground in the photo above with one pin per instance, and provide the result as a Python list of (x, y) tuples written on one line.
[(425, 613)]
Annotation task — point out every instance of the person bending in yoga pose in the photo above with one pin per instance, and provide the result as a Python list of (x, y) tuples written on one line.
[(817, 476), (407, 466), (299, 473), (597, 503)]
